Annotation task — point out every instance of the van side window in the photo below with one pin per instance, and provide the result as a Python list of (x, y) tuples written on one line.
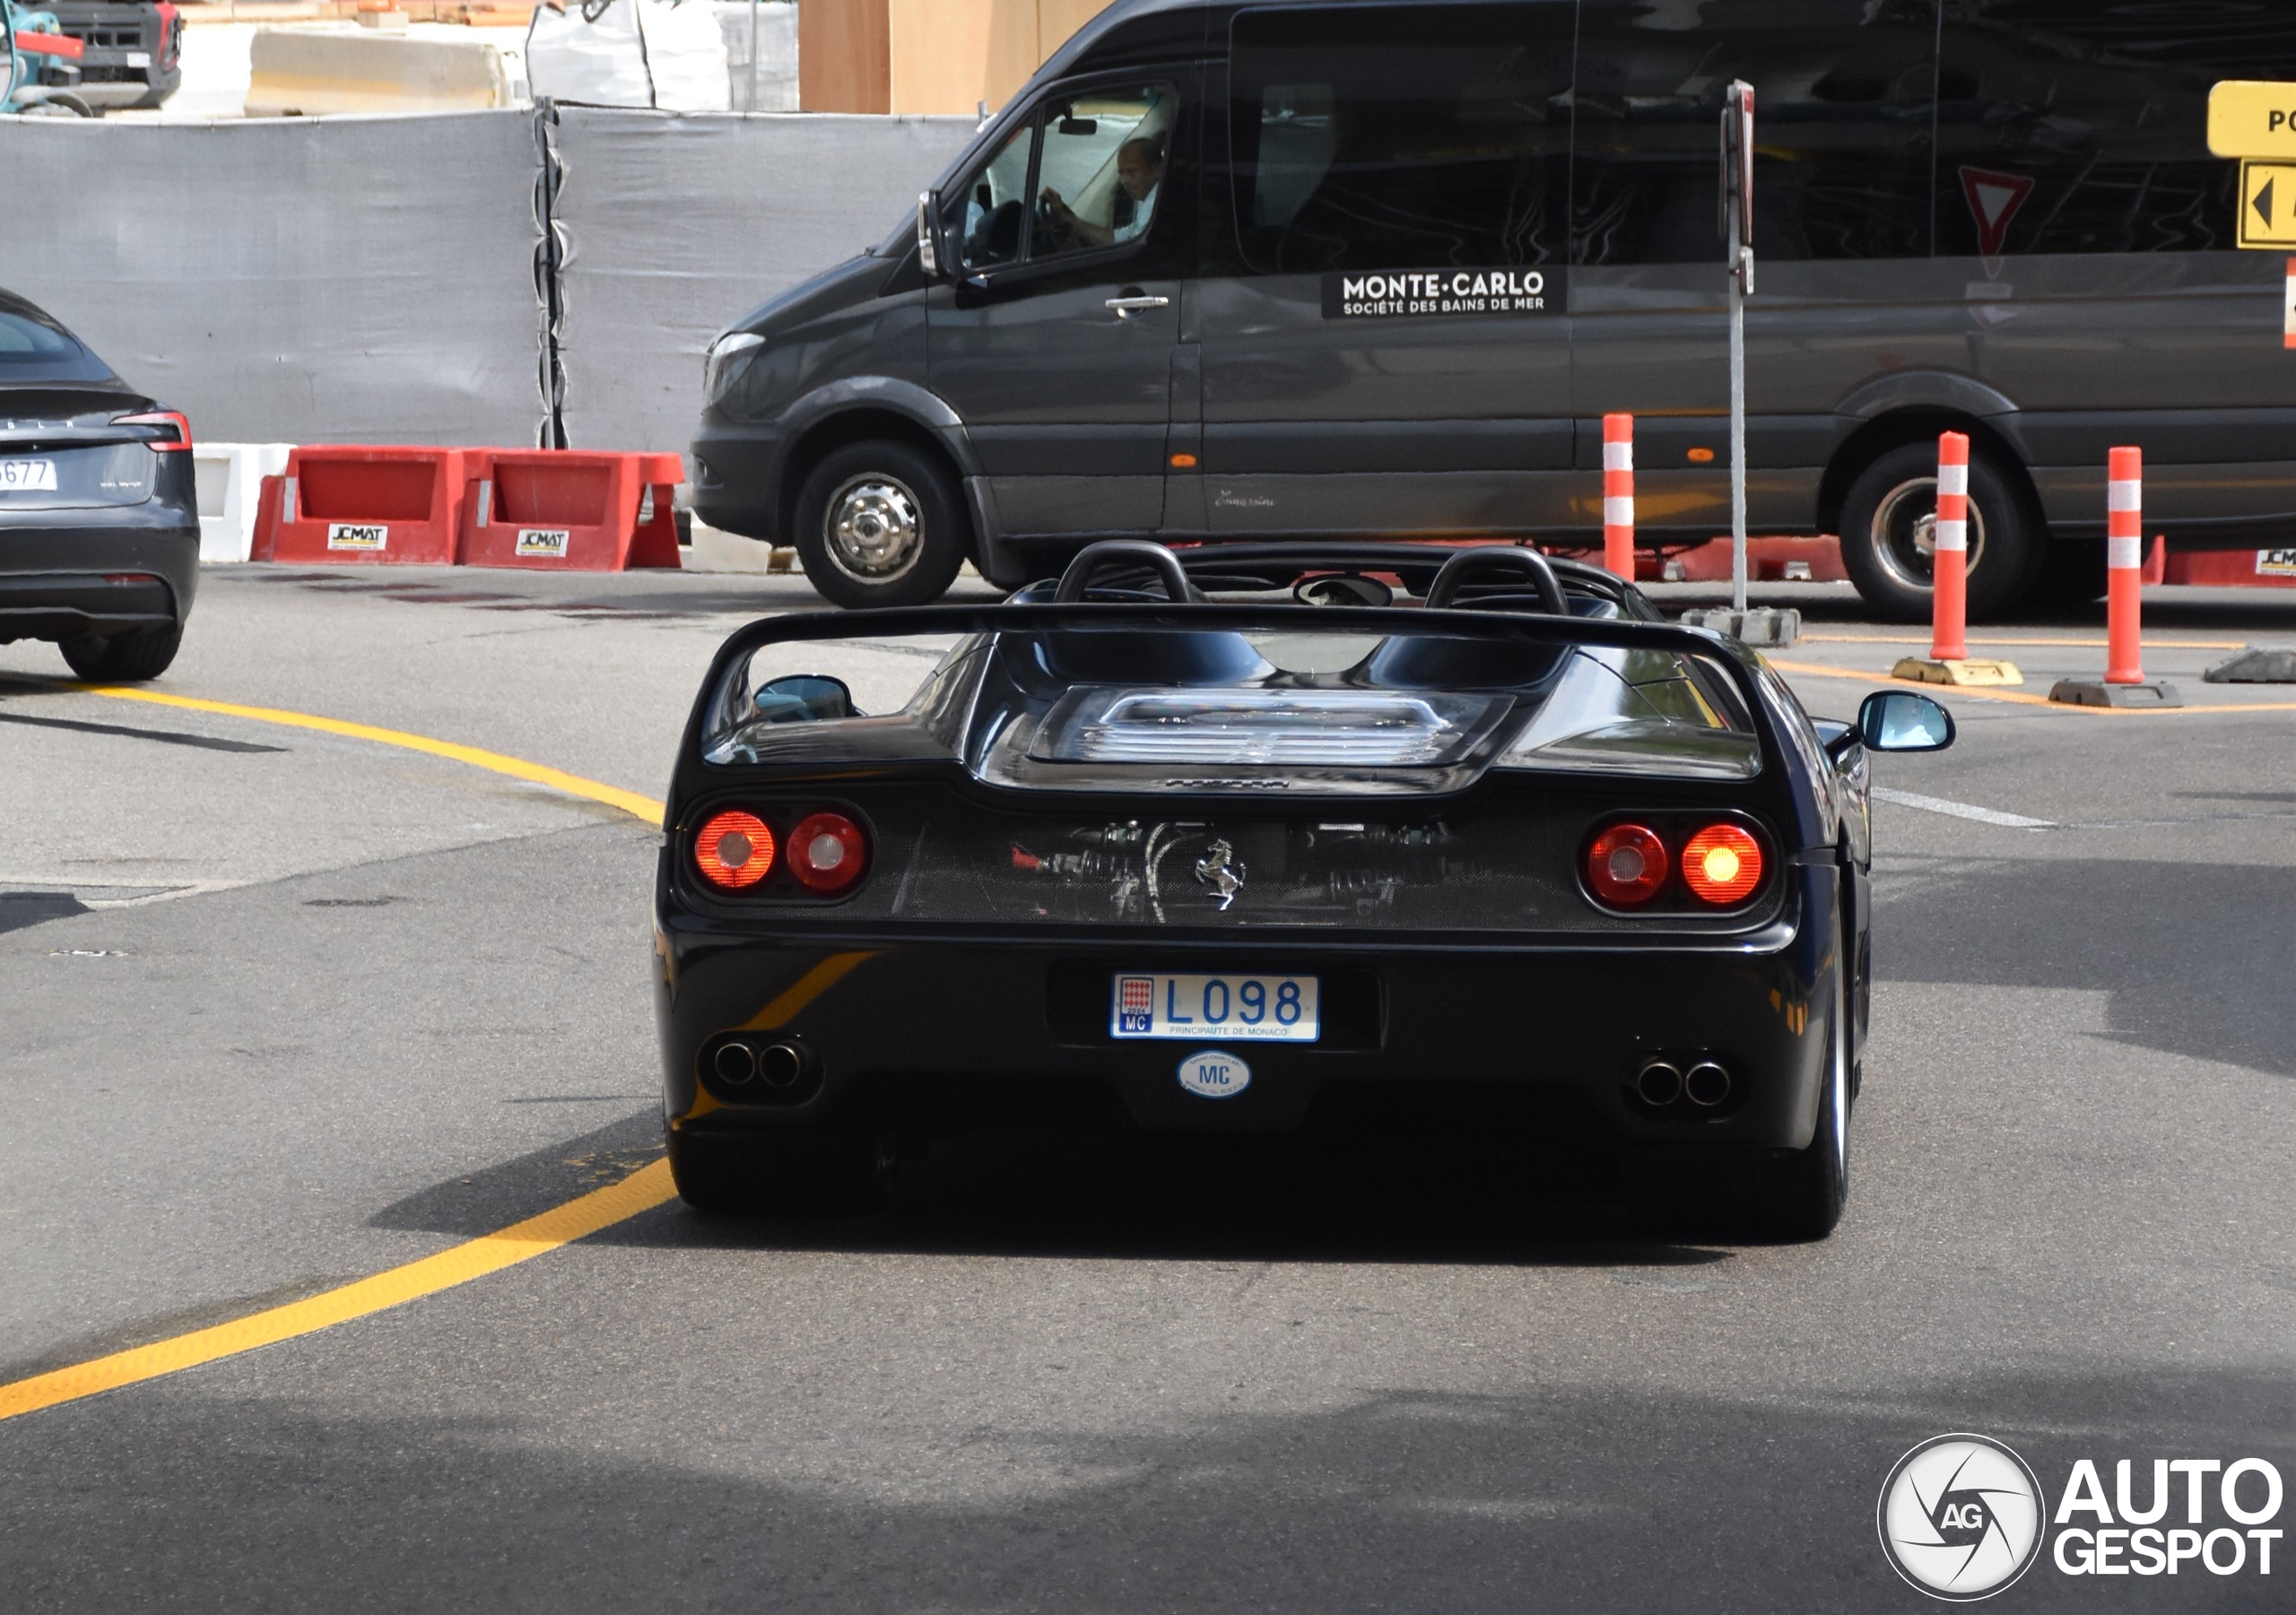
[(1368, 137), (2065, 126), (1844, 98), (1104, 169), (1098, 161), (996, 204)]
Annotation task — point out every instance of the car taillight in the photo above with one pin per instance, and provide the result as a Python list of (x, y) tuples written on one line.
[(827, 853), (734, 849), (1722, 865), (159, 446), (1626, 864)]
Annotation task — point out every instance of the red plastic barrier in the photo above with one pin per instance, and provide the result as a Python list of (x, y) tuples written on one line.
[(2233, 568), (1766, 560), (364, 505), (562, 509)]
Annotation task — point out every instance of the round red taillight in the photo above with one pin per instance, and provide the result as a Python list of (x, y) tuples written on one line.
[(827, 853), (1626, 864), (1722, 865), (734, 850)]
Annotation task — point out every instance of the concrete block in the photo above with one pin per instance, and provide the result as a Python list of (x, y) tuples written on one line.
[(1970, 671), (310, 74), (228, 477), (714, 550), (1760, 625), (2257, 664)]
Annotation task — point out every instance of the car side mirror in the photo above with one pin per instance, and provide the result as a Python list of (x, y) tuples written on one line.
[(803, 698), (1898, 720)]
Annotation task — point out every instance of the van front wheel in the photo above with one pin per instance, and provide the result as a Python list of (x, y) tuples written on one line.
[(1889, 534), (880, 523)]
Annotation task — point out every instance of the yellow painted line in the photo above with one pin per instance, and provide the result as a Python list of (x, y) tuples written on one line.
[(1923, 639), (641, 1190), (516, 768), (1814, 671), (807, 987)]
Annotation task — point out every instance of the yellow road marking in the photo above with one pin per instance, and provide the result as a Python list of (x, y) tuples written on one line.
[(1813, 670), (641, 1190), (1923, 639), (807, 987), (516, 768)]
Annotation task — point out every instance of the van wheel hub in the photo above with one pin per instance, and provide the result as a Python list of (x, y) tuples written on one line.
[(1905, 533), (873, 527)]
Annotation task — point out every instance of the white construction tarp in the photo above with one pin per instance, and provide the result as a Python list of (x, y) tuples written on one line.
[(336, 280), (350, 280), (676, 225)]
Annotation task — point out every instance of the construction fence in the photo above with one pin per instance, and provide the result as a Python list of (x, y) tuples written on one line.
[(551, 276)]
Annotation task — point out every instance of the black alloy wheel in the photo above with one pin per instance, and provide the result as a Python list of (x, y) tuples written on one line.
[(1889, 534), (800, 1171), (124, 658), (880, 523)]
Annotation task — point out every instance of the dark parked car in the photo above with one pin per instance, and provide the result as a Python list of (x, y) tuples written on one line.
[(1268, 862), (1229, 271), (98, 518)]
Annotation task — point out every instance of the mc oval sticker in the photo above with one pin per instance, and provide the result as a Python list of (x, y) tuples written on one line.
[(1215, 1074)]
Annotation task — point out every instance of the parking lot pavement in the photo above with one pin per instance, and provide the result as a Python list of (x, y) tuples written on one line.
[(287, 1008)]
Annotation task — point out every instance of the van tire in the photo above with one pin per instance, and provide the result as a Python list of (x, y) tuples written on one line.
[(1889, 500), (881, 523)]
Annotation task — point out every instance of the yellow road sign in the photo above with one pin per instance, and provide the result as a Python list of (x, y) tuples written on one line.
[(2249, 118), (2268, 204)]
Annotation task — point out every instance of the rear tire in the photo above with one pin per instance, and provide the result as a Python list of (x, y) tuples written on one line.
[(1800, 1195), (125, 658), (1885, 525), (880, 523), (798, 1171)]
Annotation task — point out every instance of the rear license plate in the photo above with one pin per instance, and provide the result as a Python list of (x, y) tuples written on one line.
[(27, 476), (1258, 1009)]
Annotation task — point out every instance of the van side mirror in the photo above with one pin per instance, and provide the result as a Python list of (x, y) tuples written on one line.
[(803, 698), (929, 230), (1898, 720)]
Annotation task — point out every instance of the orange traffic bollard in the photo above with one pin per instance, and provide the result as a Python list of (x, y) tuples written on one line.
[(1949, 634), (2124, 683), (2124, 566), (1949, 661), (1618, 494)]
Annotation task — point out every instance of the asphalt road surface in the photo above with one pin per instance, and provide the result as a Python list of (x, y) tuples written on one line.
[(281, 1008)]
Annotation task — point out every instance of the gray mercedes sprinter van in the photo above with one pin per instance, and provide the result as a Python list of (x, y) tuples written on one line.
[(1380, 267)]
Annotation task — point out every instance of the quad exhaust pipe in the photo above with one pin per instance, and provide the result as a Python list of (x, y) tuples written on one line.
[(1661, 1082)]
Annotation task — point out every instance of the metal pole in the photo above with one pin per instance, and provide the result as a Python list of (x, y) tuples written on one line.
[(1737, 197), (1737, 431), (753, 103)]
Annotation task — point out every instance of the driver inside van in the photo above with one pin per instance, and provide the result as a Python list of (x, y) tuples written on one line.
[(1139, 172)]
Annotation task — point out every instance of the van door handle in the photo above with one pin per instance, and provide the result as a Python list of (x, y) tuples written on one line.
[(1133, 301)]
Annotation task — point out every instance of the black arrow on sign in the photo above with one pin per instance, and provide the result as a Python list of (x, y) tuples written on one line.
[(2262, 203)]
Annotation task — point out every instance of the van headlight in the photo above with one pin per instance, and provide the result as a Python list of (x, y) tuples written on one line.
[(728, 362)]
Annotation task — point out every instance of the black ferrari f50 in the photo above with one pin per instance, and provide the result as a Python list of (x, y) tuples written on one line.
[(1231, 841)]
